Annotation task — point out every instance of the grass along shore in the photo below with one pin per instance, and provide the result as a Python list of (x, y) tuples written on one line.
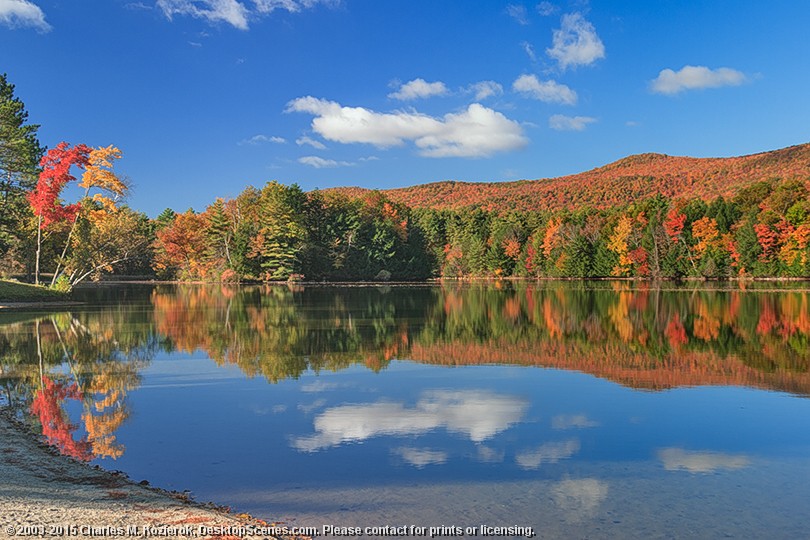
[(14, 294), (14, 291)]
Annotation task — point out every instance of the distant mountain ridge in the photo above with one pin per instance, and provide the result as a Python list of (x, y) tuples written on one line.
[(628, 179)]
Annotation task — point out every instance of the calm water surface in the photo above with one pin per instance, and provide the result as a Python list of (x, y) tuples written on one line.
[(605, 410)]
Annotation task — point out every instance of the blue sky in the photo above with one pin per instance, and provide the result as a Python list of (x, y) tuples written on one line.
[(205, 97)]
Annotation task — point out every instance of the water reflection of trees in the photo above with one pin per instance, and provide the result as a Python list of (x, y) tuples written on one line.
[(636, 334), (279, 332), (90, 358)]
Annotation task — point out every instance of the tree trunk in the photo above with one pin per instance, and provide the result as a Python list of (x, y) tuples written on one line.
[(64, 251), (39, 355), (39, 248), (70, 234)]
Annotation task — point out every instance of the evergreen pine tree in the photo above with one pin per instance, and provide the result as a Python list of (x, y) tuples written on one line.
[(20, 153)]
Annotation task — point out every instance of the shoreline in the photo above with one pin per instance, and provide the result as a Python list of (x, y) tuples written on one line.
[(38, 304), (464, 279), (740, 282), (46, 494)]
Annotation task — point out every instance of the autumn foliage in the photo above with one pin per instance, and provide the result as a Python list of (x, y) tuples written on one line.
[(56, 427), (182, 245), (282, 233), (56, 174), (631, 178), (646, 216)]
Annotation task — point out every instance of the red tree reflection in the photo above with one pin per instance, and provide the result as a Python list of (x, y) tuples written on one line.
[(56, 428)]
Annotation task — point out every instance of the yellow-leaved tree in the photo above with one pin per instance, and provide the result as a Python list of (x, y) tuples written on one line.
[(618, 243), (99, 174), (101, 234)]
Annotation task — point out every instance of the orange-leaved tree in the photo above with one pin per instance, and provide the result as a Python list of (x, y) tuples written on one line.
[(98, 175), (181, 248)]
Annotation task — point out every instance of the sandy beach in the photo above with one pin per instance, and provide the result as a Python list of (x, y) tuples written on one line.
[(47, 495)]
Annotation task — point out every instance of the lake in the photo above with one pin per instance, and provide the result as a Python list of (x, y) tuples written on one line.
[(560, 409)]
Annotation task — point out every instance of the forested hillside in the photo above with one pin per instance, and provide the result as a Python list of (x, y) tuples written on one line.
[(280, 232), (623, 181)]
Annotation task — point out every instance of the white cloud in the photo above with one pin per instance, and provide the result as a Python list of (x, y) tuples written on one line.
[(546, 8), (301, 141), (360, 125), (233, 12), (477, 414), (485, 89), (560, 122), (576, 42), (227, 11), (321, 163), (518, 12), (695, 77), (293, 6), (419, 457), (572, 421), (675, 459), (419, 89), (474, 132), (527, 47), (547, 453), (22, 14), (546, 91), (260, 139)]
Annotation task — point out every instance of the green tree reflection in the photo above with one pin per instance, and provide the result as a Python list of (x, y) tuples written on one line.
[(636, 334)]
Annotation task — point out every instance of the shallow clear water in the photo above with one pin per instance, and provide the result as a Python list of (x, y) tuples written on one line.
[(580, 410)]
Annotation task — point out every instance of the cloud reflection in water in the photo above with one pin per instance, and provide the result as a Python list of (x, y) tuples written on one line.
[(477, 414), (579, 499), (547, 453), (420, 457), (678, 459), (489, 455), (572, 421)]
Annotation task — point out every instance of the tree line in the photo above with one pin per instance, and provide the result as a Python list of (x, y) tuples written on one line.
[(280, 232)]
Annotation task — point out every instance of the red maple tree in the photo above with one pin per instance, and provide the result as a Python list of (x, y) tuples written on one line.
[(55, 175)]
